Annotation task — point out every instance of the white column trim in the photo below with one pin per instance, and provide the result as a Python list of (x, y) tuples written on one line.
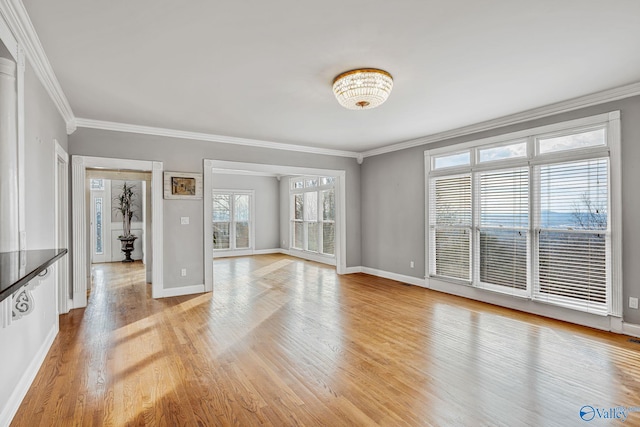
[(208, 225), (22, 236), (157, 227), (79, 206), (341, 247), (615, 172), (61, 241)]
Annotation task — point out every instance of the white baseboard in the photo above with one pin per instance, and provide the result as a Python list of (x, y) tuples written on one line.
[(631, 329), (183, 290), (395, 276), (309, 256), (267, 251), (27, 378), (247, 252), (352, 270)]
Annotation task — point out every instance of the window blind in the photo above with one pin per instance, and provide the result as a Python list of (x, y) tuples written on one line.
[(450, 224), (503, 228), (572, 235)]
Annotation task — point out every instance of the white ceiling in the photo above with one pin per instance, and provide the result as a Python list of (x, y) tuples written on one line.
[(263, 69)]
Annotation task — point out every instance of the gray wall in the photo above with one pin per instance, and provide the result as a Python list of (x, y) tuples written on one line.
[(267, 204), (22, 340), (392, 202), (183, 245)]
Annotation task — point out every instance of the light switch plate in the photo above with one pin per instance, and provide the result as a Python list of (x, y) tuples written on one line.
[(184, 220), (633, 302)]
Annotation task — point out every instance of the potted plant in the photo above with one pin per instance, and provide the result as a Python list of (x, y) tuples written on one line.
[(124, 204)]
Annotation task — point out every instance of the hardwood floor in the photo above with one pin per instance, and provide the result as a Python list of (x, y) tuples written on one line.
[(288, 342)]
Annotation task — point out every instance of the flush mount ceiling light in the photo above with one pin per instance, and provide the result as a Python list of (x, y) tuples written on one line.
[(362, 89)]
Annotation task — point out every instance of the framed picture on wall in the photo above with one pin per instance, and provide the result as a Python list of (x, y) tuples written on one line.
[(182, 185)]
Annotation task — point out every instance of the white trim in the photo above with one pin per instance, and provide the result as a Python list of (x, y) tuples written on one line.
[(597, 98), (395, 276), (245, 252), (267, 251), (208, 225), (310, 256), (615, 216), (6, 314), (18, 21), (427, 230), (232, 253), (6, 36), (157, 231), (353, 270), (79, 165), (22, 219), (78, 218), (173, 133), (19, 392), (631, 329), (61, 167), (182, 290)]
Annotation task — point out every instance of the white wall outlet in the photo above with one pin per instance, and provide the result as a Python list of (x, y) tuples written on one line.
[(633, 302), (183, 272), (283, 243), (412, 264), (184, 220)]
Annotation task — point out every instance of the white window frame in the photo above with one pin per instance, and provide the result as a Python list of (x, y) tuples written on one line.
[(611, 122), (232, 250), (320, 221)]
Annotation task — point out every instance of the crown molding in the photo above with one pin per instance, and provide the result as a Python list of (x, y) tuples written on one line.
[(19, 23), (525, 116), (172, 133)]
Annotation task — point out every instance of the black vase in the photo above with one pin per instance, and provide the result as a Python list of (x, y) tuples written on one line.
[(127, 246)]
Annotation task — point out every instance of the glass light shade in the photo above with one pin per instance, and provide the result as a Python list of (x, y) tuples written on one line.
[(362, 89)]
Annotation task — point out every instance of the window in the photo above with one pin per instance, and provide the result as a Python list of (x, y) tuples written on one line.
[(313, 211), (98, 224), (503, 228), (530, 215), (232, 220), (572, 233), (97, 184), (501, 152), (451, 226)]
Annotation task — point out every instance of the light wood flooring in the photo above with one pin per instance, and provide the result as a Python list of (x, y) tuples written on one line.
[(283, 342)]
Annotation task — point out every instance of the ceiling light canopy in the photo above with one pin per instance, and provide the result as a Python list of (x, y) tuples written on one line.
[(363, 88)]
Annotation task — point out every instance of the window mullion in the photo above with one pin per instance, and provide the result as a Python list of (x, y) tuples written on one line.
[(475, 228)]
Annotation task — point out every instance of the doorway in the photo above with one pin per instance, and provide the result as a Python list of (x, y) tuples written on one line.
[(81, 210), (105, 220), (340, 205)]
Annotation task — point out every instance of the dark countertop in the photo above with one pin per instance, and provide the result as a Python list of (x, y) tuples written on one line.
[(19, 268)]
